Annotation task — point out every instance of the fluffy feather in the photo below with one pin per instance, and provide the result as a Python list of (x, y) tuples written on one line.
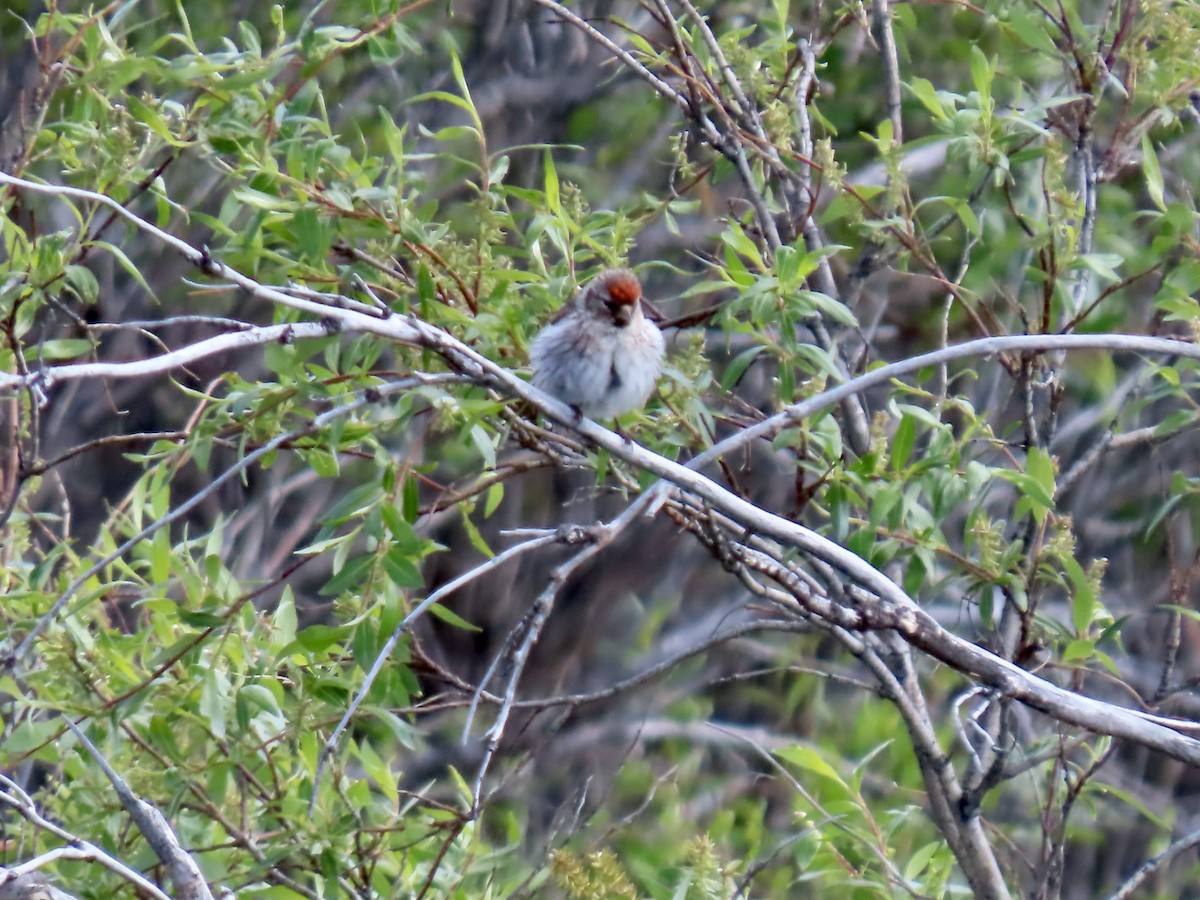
[(600, 354)]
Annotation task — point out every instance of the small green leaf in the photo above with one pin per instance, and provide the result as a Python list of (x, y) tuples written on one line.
[(284, 618), (551, 176), (834, 309), (1174, 421), (810, 760), (350, 575), (919, 860), (1152, 173), (738, 366), (83, 282), (1185, 611), (402, 570), (477, 539), (1103, 264), (1083, 601), (1078, 649), (902, 443), (324, 463), (200, 619), (316, 638), (1040, 466), (412, 498), (354, 504), (982, 72), (495, 495), (924, 91), (452, 618), (260, 200), (29, 735), (483, 443), (1030, 28), (63, 348), (736, 240), (214, 699)]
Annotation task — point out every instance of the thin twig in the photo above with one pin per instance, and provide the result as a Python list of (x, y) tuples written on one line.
[(597, 537), (400, 630), (891, 66), (1150, 867)]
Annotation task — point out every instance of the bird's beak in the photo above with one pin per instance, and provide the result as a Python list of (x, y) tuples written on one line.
[(622, 314)]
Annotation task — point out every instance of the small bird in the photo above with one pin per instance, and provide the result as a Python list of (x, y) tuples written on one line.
[(600, 353)]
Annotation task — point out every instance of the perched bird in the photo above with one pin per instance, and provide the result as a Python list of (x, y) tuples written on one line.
[(600, 354)]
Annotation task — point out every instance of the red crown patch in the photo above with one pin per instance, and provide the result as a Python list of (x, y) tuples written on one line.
[(623, 287)]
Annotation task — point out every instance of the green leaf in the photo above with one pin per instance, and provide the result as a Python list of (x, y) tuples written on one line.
[(477, 539), (982, 71), (1077, 650), (62, 348), (354, 504), (738, 365), (284, 618), (809, 759), (483, 443), (126, 264), (412, 498), (1152, 173), (1175, 421), (461, 80), (349, 576), (444, 96), (736, 240), (919, 860), (1029, 28), (1083, 601), (160, 556), (29, 735), (834, 309), (317, 638), (312, 235), (84, 283), (924, 91), (903, 442), (1185, 611), (200, 619), (1103, 264), (214, 699), (323, 463), (1134, 802), (551, 181), (378, 771), (1040, 467), (260, 200), (1036, 483), (402, 570), (495, 495), (452, 618)]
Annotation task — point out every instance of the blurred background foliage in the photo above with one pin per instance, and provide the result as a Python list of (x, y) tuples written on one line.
[(472, 162)]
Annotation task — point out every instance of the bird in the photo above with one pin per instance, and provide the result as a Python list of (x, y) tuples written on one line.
[(600, 354)]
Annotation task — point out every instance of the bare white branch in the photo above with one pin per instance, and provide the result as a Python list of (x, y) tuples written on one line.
[(165, 362)]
